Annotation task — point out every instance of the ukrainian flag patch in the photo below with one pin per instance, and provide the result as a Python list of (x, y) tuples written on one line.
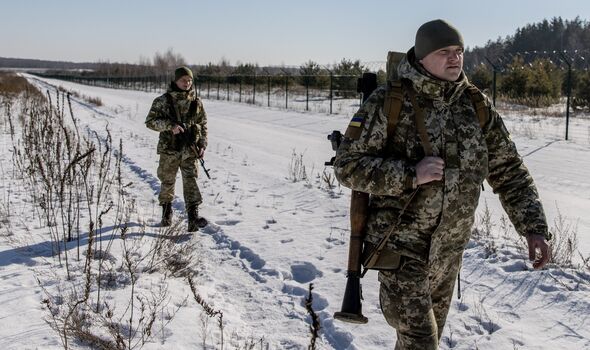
[(357, 121), (355, 126)]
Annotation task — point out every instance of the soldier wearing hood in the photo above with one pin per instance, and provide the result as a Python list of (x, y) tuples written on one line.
[(180, 118), (437, 189)]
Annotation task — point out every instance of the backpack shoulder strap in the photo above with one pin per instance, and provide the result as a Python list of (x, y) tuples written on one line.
[(392, 105), (478, 101)]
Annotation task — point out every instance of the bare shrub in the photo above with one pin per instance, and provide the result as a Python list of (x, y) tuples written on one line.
[(210, 311), (565, 240), (69, 174), (297, 168), (485, 224), (482, 232), (97, 101)]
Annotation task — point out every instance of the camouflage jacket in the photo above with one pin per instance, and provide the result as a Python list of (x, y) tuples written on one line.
[(438, 220), (160, 119)]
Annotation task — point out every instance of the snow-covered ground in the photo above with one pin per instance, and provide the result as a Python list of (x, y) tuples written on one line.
[(269, 237)]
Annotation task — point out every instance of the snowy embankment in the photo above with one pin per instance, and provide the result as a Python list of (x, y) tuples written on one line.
[(269, 237)]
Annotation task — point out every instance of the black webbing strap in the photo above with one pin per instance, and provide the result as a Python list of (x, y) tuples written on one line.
[(420, 124)]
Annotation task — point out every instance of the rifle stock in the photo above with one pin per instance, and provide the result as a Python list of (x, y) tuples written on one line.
[(352, 308)]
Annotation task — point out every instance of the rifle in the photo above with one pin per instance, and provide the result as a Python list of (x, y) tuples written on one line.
[(351, 310), (195, 149), (202, 161), (186, 138)]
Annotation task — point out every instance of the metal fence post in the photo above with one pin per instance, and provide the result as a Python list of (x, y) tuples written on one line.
[(569, 92), (286, 92), (307, 94), (268, 91), (254, 93), (494, 69), (331, 90)]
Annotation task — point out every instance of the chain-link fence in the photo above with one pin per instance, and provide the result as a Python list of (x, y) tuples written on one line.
[(538, 83), (556, 81), (316, 93)]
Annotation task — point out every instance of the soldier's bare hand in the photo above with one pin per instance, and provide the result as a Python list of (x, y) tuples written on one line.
[(538, 242), (201, 152), (177, 129), (429, 169)]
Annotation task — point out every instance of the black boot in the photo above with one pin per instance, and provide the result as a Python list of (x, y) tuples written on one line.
[(193, 214), (194, 221), (166, 214)]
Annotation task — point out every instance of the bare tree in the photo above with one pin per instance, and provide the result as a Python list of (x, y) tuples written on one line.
[(164, 62)]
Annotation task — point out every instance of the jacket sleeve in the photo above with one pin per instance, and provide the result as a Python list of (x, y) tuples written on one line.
[(202, 122), (361, 163), (157, 118), (511, 180)]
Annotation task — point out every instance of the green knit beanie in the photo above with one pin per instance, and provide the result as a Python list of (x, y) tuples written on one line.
[(181, 72), (435, 35)]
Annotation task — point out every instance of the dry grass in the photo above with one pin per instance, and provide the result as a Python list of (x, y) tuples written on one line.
[(12, 84)]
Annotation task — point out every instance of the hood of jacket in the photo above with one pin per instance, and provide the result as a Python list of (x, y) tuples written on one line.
[(180, 95), (442, 93)]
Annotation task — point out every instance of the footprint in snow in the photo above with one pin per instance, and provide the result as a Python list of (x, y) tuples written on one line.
[(305, 272), (227, 222)]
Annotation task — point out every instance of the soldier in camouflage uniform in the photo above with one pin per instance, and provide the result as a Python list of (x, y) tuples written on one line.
[(180, 118), (436, 225)]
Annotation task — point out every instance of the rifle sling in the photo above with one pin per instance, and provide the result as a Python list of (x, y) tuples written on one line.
[(174, 113), (381, 245), (478, 102), (420, 124), (392, 108)]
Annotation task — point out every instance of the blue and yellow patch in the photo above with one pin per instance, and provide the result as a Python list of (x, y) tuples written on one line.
[(357, 121), (355, 127)]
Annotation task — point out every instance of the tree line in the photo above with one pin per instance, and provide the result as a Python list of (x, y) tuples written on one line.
[(533, 65)]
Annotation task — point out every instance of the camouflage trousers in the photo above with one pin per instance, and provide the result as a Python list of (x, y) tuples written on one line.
[(415, 300), (167, 170)]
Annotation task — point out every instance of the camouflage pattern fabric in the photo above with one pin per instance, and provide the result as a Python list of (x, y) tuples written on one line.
[(437, 223), (167, 170), (159, 118), (415, 300), (172, 158)]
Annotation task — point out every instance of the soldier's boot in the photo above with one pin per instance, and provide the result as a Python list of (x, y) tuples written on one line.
[(166, 214), (194, 221), (193, 215)]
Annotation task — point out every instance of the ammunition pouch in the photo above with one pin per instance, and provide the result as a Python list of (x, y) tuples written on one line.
[(386, 260)]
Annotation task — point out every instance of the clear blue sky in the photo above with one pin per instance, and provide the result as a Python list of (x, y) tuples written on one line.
[(267, 32)]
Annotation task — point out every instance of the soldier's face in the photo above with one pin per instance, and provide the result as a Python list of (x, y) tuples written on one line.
[(184, 83), (445, 63)]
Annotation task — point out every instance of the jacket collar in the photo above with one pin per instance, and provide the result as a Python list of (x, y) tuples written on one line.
[(442, 93), (190, 94)]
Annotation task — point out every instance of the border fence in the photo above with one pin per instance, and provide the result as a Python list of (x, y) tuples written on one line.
[(529, 79), (318, 93), (538, 74)]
